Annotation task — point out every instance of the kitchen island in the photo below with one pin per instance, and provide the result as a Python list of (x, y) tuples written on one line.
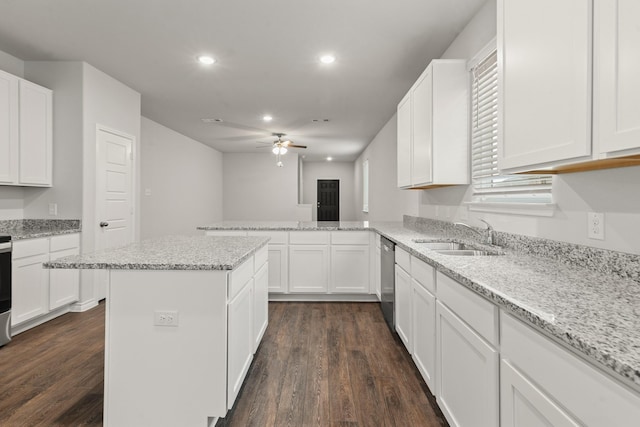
[(184, 317)]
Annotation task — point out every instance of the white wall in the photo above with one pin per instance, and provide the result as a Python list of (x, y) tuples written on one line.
[(254, 188), (343, 171), (11, 64), (65, 79), (386, 201), (181, 182)]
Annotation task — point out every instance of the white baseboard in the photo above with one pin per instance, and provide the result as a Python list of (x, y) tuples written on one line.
[(84, 306), (324, 297), (15, 330)]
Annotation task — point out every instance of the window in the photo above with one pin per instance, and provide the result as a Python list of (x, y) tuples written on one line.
[(365, 186), (490, 187)]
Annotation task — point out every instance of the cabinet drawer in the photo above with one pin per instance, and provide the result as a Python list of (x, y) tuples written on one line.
[(480, 314), (260, 257), (588, 394), (240, 276), (349, 237), (30, 247), (424, 274), (277, 237), (63, 242), (309, 238), (403, 259)]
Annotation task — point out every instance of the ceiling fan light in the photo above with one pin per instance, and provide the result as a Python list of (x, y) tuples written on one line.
[(283, 150), (276, 150)]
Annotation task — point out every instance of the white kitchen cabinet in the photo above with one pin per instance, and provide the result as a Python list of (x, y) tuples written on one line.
[(8, 128), (36, 135), (432, 119), (403, 306), (308, 268), (278, 259), (64, 284), (377, 273), (260, 305), (544, 105), (545, 384), (30, 281), (466, 372), (424, 320), (350, 267), (616, 71), (404, 142), (240, 340)]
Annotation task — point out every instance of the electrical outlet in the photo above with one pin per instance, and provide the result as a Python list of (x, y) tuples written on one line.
[(53, 209), (165, 318), (595, 225)]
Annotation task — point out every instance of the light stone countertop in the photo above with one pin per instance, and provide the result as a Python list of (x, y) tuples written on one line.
[(37, 228), (169, 253), (595, 313)]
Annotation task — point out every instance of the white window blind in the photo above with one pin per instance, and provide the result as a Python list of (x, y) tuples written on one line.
[(488, 184)]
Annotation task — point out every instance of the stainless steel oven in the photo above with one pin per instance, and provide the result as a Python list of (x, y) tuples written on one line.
[(5, 289)]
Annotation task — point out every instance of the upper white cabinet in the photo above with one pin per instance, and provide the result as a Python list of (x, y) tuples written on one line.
[(25, 132), (432, 147), (8, 128), (550, 83), (616, 83)]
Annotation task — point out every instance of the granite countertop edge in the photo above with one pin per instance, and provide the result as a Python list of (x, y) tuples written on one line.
[(17, 235), (455, 268)]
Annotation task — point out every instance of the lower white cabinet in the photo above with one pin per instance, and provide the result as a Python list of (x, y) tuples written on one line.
[(544, 384), (30, 282), (467, 373), (308, 268), (424, 332), (260, 304), (350, 269), (278, 259), (37, 291), (240, 340), (403, 306)]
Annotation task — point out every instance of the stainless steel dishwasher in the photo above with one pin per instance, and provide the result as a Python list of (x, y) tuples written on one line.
[(387, 281)]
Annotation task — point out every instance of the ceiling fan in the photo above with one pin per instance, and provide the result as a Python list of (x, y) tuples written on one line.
[(281, 146)]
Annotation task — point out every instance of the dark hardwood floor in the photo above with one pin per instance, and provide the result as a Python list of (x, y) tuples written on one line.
[(332, 364), (52, 375), (320, 364)]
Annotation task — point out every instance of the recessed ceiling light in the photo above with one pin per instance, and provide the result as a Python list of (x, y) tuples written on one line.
[(267, 118), (327, 59), (329, 159), (206, 60)]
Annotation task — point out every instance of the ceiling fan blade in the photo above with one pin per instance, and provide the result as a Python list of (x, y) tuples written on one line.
[(296, 146)]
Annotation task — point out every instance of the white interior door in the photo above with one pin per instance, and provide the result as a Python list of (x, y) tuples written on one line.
[(114, 195)]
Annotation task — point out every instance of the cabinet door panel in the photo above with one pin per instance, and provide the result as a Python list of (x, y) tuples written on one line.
[(350, 269), (260, 305), (467, 373), (8, 128), (422, 103), (404, 142), (403, 307), (424, 333), (544, 80), (30, 289), (308, 268), (35, 134), (522, 404), (64, 284), (240, 341), (617, 67), (278, 268)]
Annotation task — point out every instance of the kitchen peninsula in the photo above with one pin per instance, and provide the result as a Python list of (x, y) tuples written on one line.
[(184, 317)]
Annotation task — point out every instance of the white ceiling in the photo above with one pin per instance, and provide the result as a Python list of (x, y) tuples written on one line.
[(267, 60)]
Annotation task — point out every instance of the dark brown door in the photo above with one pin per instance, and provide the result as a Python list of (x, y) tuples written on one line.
[(328, 200)]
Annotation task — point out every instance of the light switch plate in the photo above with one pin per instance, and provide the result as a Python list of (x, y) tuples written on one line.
[(53, 209), (595, 225)]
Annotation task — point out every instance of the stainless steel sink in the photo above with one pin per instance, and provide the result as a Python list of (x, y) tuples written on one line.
[(455, 248), (468, 252)]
